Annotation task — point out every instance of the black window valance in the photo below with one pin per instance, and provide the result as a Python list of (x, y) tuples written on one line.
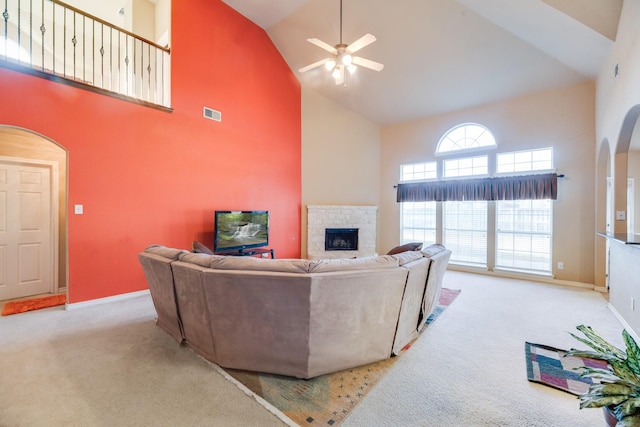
[(525, 187)]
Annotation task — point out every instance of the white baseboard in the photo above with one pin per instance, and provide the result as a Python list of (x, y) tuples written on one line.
[(106, 300), (624, 323), (524, 276)]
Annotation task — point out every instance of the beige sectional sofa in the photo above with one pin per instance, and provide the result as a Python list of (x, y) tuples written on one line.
[(293, 317)]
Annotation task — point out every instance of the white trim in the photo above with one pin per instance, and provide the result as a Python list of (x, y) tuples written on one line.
[(530, 277), (625, 324), (106, 300)]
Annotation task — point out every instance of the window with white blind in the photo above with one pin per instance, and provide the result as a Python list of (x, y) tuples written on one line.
[(418, 219), (465, 231), (523, 235), (464, 224), (524, 227), (418, 223)]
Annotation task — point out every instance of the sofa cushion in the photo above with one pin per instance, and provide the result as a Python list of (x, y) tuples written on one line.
[(171, 253), (416, 246), (365, 263), (261, 264), (431, 250), (408, 256), (200, 248)]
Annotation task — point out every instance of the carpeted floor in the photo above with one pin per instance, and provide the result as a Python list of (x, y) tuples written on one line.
[(109, 365), (327, 399)]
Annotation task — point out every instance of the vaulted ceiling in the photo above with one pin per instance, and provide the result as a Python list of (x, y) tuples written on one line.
[(442, 55)]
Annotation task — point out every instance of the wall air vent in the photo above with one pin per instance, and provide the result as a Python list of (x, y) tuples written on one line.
[(210, 113)]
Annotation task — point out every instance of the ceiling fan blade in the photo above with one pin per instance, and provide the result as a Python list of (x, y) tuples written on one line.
[(363, 41), (323, 45), (314, 65), (367, 63)]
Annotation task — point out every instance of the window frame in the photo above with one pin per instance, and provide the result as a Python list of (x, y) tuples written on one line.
[(465, 150), (492, 231)]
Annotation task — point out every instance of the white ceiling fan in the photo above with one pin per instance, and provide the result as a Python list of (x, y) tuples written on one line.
[(342, 60)]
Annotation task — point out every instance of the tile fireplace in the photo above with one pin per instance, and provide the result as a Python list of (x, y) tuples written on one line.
[(336, 231)]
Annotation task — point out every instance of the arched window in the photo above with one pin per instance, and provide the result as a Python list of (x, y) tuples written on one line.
[(466, 136)]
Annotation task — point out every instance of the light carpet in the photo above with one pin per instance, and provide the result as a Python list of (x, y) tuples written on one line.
[(109, 365)]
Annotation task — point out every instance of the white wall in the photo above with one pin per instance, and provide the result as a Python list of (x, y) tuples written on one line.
[(340, 157), (562, 118), (618, 98)]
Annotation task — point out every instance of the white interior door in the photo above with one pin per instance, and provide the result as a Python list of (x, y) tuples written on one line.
[(26, 229)]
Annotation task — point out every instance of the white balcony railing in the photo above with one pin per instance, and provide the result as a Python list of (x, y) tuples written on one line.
[(51, 38)]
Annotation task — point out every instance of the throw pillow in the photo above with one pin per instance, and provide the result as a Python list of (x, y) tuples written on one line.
[(416, 246), (199, 248), (432, 250)]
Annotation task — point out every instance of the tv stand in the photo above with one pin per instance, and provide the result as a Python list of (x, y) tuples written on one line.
[(251, 252)]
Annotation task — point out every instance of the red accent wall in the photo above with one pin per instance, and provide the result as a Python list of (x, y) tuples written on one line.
[(145, 176)]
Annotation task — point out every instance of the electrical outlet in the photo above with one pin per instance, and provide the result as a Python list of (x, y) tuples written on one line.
[(560, 265), (78, 209), (621, 215), (264, 255)]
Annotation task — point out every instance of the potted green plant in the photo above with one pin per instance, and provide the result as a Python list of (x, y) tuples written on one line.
[(617, 387)]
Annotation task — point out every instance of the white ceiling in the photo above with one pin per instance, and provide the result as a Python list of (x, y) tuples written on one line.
[(442, 55)]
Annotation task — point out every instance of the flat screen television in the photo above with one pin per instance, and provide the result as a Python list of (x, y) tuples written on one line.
[(240, 231)]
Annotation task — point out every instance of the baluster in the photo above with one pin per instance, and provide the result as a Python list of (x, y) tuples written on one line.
[(43, 29), (31, 32), (19, 32), (5, 16), (102, 55)]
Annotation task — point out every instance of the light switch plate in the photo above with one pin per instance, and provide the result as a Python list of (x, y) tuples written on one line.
[(78, 209)]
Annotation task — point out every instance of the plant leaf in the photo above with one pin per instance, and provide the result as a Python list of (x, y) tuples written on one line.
[(589, 401), (610, 389), (633, 352), (588, 354), (630, 421), (628, 407), (599, 342)]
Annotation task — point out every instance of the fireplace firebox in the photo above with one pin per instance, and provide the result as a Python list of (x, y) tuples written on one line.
[(340, 239)]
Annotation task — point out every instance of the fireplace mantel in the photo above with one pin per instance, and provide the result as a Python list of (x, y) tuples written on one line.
[(321, 217)]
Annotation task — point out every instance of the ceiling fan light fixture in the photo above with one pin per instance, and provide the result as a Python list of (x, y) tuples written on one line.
[(330, 64), (337, 72), (342, 59)]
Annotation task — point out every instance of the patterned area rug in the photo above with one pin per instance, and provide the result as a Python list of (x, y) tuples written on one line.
[(325, 400), (549, 366)]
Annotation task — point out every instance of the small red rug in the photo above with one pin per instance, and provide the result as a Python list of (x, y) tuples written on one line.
[(15, 307)]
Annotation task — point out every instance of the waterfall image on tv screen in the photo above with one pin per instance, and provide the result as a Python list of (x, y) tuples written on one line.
[(238, 230)]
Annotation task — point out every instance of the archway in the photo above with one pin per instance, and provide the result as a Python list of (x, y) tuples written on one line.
[(621, 164), (603, 213), (22, 143)]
